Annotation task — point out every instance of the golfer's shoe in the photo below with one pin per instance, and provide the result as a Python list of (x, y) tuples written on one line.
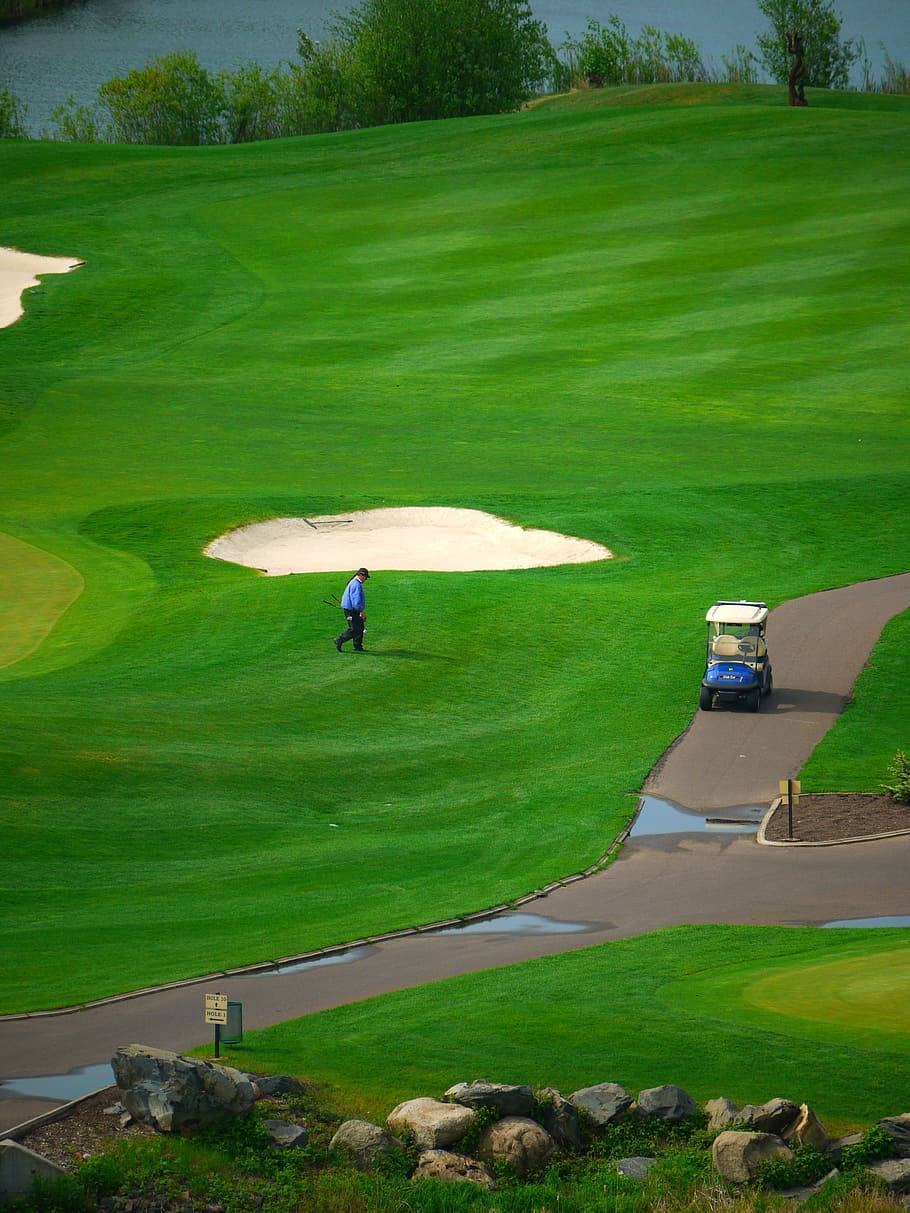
[(337, 643)]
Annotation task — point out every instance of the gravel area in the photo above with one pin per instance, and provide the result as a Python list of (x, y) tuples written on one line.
[(829, 817), (87, 1130)]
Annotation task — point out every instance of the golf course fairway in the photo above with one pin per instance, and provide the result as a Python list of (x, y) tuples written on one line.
[(675, 330)]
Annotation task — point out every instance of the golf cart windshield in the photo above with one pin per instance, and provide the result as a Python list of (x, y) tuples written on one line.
[(735, 641)]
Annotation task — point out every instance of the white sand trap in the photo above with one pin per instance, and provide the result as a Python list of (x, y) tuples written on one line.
[(436, 539), (18, 272)]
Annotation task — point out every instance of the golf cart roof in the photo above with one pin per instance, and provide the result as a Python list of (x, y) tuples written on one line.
[(737, 612)]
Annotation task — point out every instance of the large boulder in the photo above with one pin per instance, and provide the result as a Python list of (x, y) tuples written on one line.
[(807, 1130), (434, 1125), (505, 1100), (721, 1112), (775, 1116), (452, 1168), (559, 1118), (894, 1173), (666, 1103), (284, 1135), (737, 1155), (277, 1084), (898, 1129), (173, 1093), (604, 1102), (364, 1143), (521, 1143)]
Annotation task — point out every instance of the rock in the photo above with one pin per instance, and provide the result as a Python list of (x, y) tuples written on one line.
[(804, 1191), (518, 1141), (505, 1100), (433, 1124), (284, 1135), (174, 1093), (722, 1112), (775, 1116), (453, 1168), (634, 1168), (604, 1102), (115, 1109), (666, 1103), (18, 1167), (894, 1172), (836, 1148), (364, 1143), (277, 1084), (559, 1118), (736, 1155), (807, 1130), (898, 1129)]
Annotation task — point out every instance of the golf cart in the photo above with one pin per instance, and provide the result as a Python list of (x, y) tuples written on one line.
[(737, 665)]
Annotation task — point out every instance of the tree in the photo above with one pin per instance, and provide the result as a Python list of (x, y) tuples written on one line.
[(172, 100), (828, 59), (407, 60)]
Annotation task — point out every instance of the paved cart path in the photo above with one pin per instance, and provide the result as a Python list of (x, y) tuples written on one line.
[(727, 757)]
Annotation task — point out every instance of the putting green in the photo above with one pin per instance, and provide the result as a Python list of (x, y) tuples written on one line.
[(37, 588), (857, 991)]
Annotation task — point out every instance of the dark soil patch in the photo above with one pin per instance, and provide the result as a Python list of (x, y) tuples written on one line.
[(833, 817)]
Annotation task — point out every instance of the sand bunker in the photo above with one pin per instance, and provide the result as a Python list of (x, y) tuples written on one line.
[(18, 272), (430, 539)]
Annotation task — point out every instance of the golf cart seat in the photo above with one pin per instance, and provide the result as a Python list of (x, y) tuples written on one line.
[(752, 647), (727, 646)]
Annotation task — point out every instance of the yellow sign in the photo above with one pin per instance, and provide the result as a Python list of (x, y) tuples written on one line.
[(216, 1008), (788, 786)]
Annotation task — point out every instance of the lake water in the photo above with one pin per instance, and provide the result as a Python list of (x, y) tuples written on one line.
[(71, 51)]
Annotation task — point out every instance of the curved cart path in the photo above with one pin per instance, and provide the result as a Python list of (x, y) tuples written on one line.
[(818, 646)]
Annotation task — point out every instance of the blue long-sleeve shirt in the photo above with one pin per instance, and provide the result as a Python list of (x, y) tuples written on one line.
[(353, 598)]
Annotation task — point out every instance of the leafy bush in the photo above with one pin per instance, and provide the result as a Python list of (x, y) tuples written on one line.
[(12, 116), (806, 1166), (608, 54), (876, 1143), (172, 100), (899, 787), (75, 123)]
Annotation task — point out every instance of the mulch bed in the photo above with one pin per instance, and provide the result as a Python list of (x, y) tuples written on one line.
[(830, 817)]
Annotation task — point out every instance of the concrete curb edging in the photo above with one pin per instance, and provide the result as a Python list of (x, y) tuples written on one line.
[(47, 1118), (831, 842)]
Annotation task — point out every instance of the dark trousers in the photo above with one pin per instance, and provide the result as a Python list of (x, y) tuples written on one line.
[(354, 629)]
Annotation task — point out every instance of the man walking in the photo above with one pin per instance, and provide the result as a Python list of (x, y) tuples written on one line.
[(353, 602)]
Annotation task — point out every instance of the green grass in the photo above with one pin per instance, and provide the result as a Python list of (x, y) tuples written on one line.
[(678, 330), (674, 1006)]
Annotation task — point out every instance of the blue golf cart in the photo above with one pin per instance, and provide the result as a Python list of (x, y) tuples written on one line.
[(737, 665)]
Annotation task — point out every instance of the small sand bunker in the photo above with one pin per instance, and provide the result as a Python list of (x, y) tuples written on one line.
[(437, 539), (18, 272)]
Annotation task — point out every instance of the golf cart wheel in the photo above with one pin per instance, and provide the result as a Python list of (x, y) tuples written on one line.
[(705, 699), (769, 685), (755, 700)]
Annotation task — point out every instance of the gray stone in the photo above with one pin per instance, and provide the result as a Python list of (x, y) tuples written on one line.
[(434, 1125), (277, 1084), (722, 1112), (115, 1109), (559, 1118), (446, 1167), (634, 1168), (666, 1103), (18, 1166), (894, 1172), (521, 1143), (802, 1193), (807, 1130), (364, 1143), (173, 1093), (505, 1100), (604, 1102), (775, 1116), (284, 1135), (836, 1148), (898, 1129), (736, 1155)]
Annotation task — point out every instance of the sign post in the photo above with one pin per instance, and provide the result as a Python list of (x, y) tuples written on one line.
[(216, 1012), (790, 789)]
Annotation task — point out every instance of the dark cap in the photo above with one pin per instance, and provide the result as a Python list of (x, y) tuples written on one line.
[(363, 573)]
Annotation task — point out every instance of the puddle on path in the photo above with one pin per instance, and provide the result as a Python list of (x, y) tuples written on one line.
[(895, 920), (61, 1087), (518, 924), (664, 817), (342, 958)]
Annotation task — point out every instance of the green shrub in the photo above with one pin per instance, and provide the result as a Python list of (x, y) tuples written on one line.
[(876, 1143), (12, 116), (173, 99), (899, 770), (805, 1167)]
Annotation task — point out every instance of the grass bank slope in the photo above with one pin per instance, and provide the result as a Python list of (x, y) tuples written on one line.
[(677, 331)]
